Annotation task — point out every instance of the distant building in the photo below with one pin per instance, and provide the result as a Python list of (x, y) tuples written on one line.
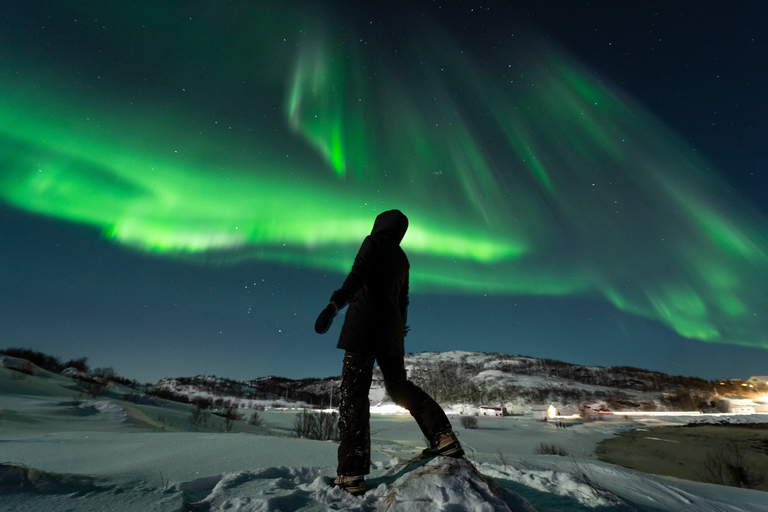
[(493, 410), (735, 404), (544, 412), (759, 382)]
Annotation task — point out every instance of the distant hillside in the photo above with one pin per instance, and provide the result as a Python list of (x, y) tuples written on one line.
[(264, 391), (452, 378), (476, 379)]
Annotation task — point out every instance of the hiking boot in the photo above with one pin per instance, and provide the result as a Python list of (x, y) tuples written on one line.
[(354, 485), (446, 444)]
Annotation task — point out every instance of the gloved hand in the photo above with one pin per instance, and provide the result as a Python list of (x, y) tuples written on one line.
[(406, 330), (325, 318)]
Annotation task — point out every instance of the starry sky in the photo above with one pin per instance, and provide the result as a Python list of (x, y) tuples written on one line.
[(184, 184)]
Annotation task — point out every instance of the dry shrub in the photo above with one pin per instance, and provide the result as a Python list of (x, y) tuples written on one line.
[(322, 426), (550, 449)]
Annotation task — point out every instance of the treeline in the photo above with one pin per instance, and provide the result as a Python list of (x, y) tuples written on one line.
[(93, 381), (47, 362), (53, 364), (620, 377), (312, 391)]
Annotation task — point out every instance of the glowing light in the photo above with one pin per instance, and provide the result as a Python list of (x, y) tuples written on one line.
[(551, 184), (388, 409)]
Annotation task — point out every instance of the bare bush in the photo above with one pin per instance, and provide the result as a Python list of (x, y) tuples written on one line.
[(230, 416), (469, 422), (322, 426), (200, 416), (255, 420), (584, 476), (550, 449), (202, 402)]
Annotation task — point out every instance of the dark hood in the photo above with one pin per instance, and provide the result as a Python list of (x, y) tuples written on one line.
[(391, 224)]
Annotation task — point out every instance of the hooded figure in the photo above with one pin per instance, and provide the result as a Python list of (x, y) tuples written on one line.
[(376, 291)]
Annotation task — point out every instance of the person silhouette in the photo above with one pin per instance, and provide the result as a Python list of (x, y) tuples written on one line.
[(374, 330)]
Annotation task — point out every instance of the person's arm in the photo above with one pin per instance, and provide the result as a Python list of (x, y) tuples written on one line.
[(357, 276), (352, 285)]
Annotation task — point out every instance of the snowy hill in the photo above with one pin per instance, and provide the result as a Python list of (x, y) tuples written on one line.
[(273, 392), (470, 380), (520, 381)]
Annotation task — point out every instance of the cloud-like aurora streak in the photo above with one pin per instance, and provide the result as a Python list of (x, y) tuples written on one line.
[(528, 178)]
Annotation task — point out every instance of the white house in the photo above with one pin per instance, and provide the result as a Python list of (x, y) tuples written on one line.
[(544, 412), (735, 404)]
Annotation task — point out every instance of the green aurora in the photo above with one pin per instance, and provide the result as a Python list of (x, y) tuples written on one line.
[(278, 139)]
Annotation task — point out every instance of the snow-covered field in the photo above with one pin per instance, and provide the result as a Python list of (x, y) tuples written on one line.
[(63, 451)]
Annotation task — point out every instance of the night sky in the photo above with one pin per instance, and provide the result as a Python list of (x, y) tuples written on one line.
[(184, 184)]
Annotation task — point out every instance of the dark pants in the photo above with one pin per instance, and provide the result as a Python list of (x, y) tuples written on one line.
[(354, 408)]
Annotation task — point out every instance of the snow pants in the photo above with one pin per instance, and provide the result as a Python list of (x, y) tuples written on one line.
[(354, 407)]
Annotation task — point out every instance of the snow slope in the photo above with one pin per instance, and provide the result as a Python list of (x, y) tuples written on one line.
[(62, 453)]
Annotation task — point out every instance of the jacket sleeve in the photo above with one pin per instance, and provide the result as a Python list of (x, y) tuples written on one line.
[(404, 302), (358, 276)]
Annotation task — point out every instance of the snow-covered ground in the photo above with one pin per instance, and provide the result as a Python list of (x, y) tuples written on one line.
[(63, 451)]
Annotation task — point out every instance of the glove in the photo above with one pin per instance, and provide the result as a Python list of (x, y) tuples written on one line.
[(325, 318), (406, 330)]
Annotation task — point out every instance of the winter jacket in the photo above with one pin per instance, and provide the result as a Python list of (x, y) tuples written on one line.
[(377, 291)]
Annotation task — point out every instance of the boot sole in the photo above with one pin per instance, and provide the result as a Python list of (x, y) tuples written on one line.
[(452, 450), (355, 489)]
